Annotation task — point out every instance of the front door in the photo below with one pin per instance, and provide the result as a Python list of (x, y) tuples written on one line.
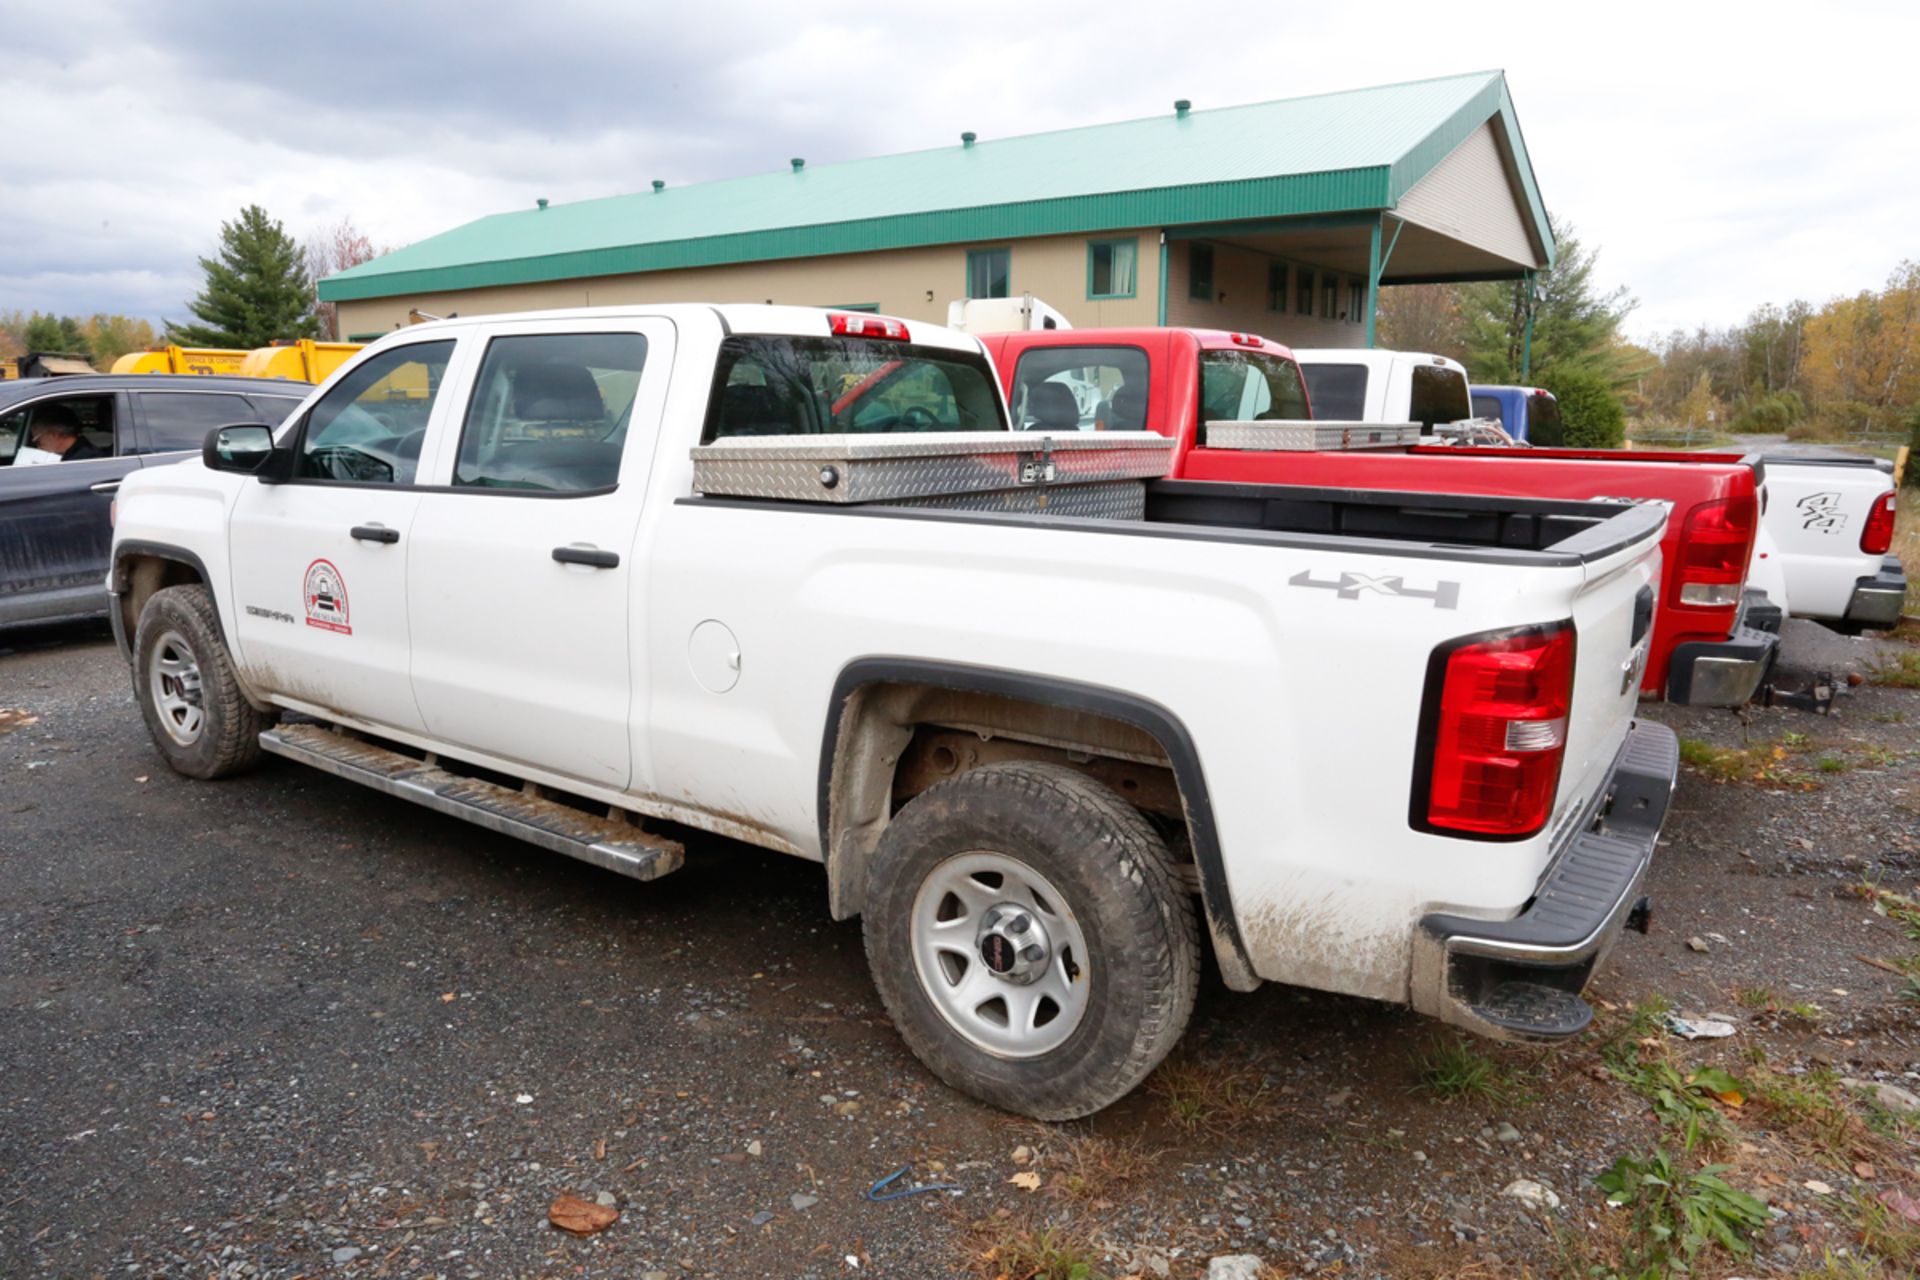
[(55, 533), (320, 562), (523, 561)]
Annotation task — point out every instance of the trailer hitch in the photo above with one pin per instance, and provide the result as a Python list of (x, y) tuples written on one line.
[(1817, 696)]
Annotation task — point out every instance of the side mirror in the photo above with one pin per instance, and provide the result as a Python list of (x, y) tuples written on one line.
[(245, 449)]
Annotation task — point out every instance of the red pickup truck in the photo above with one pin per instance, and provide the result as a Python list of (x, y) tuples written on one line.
[(1713, 644)]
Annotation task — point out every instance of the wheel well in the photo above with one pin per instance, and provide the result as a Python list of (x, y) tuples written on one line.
[(888, 739), (137, 577)]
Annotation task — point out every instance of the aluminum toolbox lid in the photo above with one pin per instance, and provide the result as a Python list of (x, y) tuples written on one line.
[(845, 468), (1301, 435)]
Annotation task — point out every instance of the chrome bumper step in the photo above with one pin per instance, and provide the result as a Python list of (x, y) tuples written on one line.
[(605, 842)]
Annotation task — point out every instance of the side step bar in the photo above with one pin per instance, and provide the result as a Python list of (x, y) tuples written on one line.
[(605, 842)]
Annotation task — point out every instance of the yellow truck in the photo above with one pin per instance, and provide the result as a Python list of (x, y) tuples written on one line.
[(302, 361)]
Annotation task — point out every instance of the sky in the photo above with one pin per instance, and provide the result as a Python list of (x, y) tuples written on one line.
[(1719, 156)]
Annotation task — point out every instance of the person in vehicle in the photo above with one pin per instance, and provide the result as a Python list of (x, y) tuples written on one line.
[(57, 430)]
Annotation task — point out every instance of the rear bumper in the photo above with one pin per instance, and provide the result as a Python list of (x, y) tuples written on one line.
[(1723, 673), (1560, 936), (1877, 601)]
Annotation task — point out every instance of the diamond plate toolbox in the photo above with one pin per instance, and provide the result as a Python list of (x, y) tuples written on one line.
[(898, 468), (1310, 437)]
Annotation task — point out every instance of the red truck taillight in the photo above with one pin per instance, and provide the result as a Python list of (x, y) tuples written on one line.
[(1495, 731), (1715, 544), (843, 325), (1877, 537)]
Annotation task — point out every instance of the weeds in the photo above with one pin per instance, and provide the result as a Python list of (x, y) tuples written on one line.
[(1088, 1169), (1675, 1214), (1881, 757), (1884, 1233), (1832, 764), (1757, 998), (1902, 671), (1045, 1253), (1451, 1068), (1762, 763), (1214, 1096), (1889, 717)]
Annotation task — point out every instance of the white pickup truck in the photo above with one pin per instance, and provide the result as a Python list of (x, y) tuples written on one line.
[(595, 577), (1373, 385), (1826, 536)]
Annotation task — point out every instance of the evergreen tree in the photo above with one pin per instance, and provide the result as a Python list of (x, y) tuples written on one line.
[(56, 333), (1572, 324), (257, 288)]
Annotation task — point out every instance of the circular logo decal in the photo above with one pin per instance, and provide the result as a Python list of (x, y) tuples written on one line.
[(324, 594)]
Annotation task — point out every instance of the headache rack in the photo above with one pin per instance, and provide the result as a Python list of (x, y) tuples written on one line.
[(1082, 474)]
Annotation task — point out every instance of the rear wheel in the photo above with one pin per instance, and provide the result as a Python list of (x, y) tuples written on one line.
[(1030, 939), (184, 681)]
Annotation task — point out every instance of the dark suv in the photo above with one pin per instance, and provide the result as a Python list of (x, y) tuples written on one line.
[(54, 531)]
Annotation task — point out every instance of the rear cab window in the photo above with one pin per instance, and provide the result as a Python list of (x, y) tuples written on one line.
[(1544, 427), (1487, 407), (1438, 394), (1080, 389), (780, 385), (1250, 386), (1339, 391)]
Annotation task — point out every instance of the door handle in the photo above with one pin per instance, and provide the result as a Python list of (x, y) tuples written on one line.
[(105, 486), (375, 533), (592, 556)]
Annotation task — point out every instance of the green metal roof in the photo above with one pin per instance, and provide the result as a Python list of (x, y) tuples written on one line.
[(1357, 150)]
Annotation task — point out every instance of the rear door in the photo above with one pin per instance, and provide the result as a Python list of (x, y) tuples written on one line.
[(521, 557), (320, 563), (55, 531)]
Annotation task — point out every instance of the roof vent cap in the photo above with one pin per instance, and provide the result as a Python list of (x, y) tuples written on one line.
[(541, 202), (798, 163), (967, 138), (1180, 108), (658, 185)]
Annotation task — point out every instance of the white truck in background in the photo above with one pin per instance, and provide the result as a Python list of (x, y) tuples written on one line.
[(1826, 539), (786, 575), (1357, 384)]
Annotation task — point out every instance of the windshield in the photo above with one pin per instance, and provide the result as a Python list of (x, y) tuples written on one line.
[(1339, 391), (1249, 386), (778, 385)]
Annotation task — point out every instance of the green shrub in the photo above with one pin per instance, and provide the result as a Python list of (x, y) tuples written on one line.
[(1589, 406), (1770, 415)]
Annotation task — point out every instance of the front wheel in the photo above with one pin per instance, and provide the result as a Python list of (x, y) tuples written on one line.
[(183, 679), (1029, 937)]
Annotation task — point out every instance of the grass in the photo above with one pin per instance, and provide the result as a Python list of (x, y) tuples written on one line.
[(1036, 1253), (1452, 1068), (1088, 1169), (1902, 671), (1832, 764), (1763, 763), (1677, 1214), (1208, 1094), (1884, 1233)]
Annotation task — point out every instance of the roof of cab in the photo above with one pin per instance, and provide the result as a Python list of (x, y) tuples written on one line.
[(733, 317)]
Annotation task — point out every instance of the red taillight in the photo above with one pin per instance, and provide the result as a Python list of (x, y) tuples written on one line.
[(1498, 727), (1877, 537), (1715, 544), (1246, 340), (862, 326)]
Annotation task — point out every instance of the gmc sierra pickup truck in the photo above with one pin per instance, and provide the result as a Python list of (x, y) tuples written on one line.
[(593, 578), (1706, 651)]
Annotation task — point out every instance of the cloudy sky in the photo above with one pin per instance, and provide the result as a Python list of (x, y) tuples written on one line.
[(1720, 155)]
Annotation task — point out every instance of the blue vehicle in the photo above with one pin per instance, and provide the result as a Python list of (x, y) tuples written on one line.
[(1525, 413)]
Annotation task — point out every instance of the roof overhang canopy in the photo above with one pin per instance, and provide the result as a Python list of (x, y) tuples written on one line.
[(1440, 163)]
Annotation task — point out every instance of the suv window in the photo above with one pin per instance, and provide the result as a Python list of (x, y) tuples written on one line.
[(1439, 395), (1099, 389), (93, 413), (1244, 386), (549, 412), (369, 428), (775, 385), (1339, 391), (1544, 427), (181, 419)]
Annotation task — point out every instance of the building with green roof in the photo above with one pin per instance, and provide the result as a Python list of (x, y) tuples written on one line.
[(1283, 218)]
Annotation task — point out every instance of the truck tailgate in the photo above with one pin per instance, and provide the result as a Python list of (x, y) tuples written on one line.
[(1612, 617)]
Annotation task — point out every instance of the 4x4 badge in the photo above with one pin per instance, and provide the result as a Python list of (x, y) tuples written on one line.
[(1350, 586)]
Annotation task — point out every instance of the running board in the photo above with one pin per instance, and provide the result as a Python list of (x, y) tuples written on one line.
[(605, 842)]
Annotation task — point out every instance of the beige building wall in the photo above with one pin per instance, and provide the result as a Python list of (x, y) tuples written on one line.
[(1240, 302), (915, 284)]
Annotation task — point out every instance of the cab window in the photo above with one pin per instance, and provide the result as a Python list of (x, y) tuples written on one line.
[(1439, 395), (369, 428), (1339, 391), (776, 385), (1487, 407), (1080, 389), (1250, 386), (549, 412)]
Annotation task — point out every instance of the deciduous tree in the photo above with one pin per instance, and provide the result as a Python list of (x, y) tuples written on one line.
[(331, 249)]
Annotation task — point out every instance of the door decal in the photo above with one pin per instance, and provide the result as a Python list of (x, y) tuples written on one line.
[(325, 596)]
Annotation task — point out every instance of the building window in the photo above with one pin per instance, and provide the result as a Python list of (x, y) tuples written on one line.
[(1356, 302), (374, 336), (1200, 271), (1276, 286), (1110, 268), (1329, 294), (1303, 284), (853, 306), (988, 271)]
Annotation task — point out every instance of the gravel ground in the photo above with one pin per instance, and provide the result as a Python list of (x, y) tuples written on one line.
[(280, 1026)]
